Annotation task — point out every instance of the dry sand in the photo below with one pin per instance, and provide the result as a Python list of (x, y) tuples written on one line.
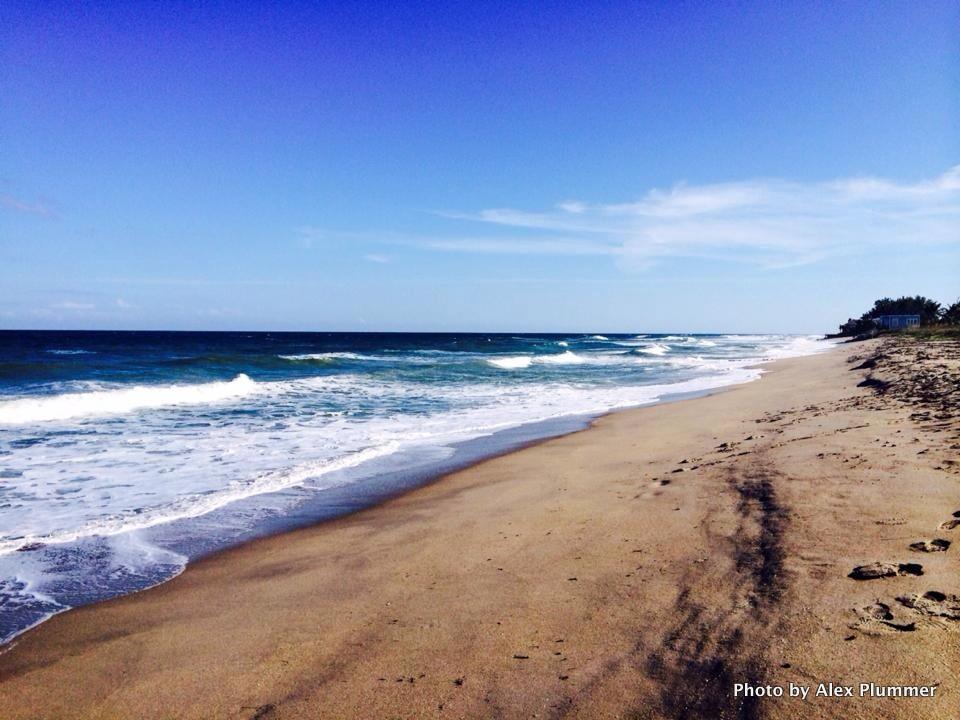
[(639, 568)]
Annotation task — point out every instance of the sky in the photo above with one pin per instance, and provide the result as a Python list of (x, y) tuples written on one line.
[(476, 166)]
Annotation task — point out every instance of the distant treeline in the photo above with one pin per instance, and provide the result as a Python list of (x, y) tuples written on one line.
[(930, 311)]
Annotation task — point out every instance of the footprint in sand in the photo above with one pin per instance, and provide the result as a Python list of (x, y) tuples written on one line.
[(933, 602), (951, 524), (878, 616), (935, 545), (875, 570)]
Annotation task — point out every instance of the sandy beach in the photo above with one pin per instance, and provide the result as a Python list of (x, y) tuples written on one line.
[(639, 568)]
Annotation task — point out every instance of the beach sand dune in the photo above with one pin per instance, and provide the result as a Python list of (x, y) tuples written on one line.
[(640, 568)]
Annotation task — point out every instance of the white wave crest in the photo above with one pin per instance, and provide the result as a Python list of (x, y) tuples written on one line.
[(599, 337), (654, 349), (328, 357), (638, 341), (519, 362), (566, 358), (116, 401), (511, 363), (690, 340)]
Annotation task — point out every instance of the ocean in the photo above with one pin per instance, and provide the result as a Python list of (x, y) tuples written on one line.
[(124, 455)]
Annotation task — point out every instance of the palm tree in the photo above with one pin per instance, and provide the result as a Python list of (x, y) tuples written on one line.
[(951, 315)]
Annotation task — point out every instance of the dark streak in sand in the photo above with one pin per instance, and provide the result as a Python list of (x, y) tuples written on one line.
[(709, 649)]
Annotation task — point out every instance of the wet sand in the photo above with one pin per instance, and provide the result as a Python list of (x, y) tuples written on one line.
[(639, 568)]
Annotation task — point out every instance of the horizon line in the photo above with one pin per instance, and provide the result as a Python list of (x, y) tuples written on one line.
[(407, 332)]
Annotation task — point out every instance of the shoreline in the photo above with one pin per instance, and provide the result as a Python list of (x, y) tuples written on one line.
[(373, 487), (518, 578)]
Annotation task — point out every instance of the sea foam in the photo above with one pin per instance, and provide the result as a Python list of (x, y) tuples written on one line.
[(195, 505)]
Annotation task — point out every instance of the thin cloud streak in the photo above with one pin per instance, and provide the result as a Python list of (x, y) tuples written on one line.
[(73, 305), (494, 245), (37, 208), (193, 282)]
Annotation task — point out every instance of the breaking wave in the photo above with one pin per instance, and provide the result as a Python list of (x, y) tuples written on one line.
[(654, 349), (520, 362), (328, 357), (117, 401), (511, 363)]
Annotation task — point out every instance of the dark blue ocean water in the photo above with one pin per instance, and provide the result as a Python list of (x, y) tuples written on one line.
[(125, 454)]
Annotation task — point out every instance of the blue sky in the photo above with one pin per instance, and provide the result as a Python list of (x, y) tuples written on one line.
[(476, 166)]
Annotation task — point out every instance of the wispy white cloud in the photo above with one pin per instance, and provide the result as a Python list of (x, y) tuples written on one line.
[(773, 223), (33, 208), (193, 282), (518, 245), (73, 305)]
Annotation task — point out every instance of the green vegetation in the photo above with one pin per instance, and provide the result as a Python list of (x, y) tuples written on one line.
[(935, 319), (940, 331)]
